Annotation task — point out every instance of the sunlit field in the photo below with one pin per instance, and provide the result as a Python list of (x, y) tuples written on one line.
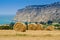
[(30, 35), (29, 19)]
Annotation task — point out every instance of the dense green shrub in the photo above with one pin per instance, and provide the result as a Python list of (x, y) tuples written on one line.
[(4, 27), (36, 22), (49, 22), (59, 22), (11, 25), (57, 26), (43, 23), (7, 27)]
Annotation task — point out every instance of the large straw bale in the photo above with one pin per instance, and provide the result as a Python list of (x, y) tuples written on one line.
[(39, 27), (50, 28), (32, 26), (19, 27)]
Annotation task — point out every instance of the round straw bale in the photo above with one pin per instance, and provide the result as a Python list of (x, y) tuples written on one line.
[(32, 26), (19, 27), (39, 27), (50, 28)]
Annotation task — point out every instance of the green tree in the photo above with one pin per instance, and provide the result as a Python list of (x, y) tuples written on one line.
[(49, 22), (11, 25)]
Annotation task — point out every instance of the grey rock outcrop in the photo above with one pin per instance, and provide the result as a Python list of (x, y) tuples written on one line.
[(38, 13)]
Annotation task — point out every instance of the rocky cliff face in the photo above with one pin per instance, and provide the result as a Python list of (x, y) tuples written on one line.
[(38, 13)]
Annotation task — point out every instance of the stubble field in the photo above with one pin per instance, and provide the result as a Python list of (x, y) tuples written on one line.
[(30, 35)]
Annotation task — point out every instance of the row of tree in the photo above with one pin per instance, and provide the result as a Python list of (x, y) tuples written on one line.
[(44, 23)]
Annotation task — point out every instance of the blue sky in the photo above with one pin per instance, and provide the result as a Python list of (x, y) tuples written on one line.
[(10, 7)]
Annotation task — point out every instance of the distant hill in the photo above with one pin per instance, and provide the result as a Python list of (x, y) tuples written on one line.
[(38, 13)]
